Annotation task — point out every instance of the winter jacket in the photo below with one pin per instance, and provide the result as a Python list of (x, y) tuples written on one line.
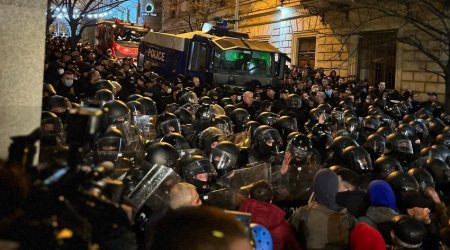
[(272, 217), (376, 215), (321, 227)]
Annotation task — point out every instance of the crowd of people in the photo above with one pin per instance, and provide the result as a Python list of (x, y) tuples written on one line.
[(129, 159)]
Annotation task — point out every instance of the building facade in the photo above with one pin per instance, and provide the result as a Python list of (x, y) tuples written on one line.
[(334, 35)]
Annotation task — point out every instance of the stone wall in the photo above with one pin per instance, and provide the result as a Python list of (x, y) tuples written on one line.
[(21, 73)]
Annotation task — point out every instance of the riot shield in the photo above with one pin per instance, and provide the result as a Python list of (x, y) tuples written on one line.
[(153, 189), (147, 126), (236, 186), (225, 198), (244, 176), (296, 184)]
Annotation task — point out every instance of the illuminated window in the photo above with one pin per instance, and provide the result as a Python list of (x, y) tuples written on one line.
[(306, 51)]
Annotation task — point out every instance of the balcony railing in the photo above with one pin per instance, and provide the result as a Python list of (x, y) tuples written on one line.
[(325, 3)]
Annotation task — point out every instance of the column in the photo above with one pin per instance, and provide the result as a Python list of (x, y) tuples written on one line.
[(22, 45)]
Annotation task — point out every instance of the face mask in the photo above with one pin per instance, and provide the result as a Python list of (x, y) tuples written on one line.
[(239, 98), (169, 90), (68, 83), (329, 92), (60, 71)]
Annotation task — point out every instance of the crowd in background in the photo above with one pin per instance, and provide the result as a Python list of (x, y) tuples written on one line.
[(321, 161)]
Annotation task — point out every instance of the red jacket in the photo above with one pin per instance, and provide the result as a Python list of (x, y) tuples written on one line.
[(272, 217)]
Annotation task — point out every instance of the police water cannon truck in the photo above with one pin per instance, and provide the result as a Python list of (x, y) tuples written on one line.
[(220, 57)]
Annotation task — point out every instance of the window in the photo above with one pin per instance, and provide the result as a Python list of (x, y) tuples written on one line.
[(377, 57), (198, 57), (306, 51)]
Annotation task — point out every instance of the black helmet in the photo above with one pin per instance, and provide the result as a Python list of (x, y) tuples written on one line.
[(385, 165), (337, 147), (252, 126), (51, 128), (204, 115), (57, 101), (117, 111), (352, 124), (229, 108), (422, 176), (185, 116), (110, 145), (172, 107), (435, 125), (168, 123), (409, 118), (401, 182), (409, 230), (188, 97), (205, 100), (198, 171), (325, 108), (443, 139), (442, 152), (239, 117), (420, 128), (267, 139), (268, 118), (207, 137), (136, 108), (371, 122), (286, 125), (226, 101), (445, 118), (293, 101), (224, 157), (385, 120), (104, 84), (375, 144), (321, 136), (357, 158), (176, 140), (314, 115), (439, 170), (162, 153), (385, 131), (346, 104), (133, 97), (406, 129), (103, 95), (149, 105), (223, 123), (300, 147), (399, 143)]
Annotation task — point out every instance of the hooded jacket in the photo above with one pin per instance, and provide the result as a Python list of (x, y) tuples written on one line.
[(272, 217)]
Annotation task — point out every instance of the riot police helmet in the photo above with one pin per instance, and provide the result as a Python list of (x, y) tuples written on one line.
[(103, 95), (357, 158), (398, 143), (198, 171), (168, 123), (177, 140), (117, 111), (209, 137), (239, 117), (162, 153), (267, 139), (286, 125), (224, 157), (268, 118), (402, 182), (422, 176), (294, 101), (110, 145), (149, 105), (385, 165), (133, 97)]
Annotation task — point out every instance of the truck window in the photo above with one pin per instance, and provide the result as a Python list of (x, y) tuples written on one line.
[(244, 62), (197, 57)]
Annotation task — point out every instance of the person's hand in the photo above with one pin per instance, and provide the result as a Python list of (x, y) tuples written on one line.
[(285, 164), (431, 192)]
